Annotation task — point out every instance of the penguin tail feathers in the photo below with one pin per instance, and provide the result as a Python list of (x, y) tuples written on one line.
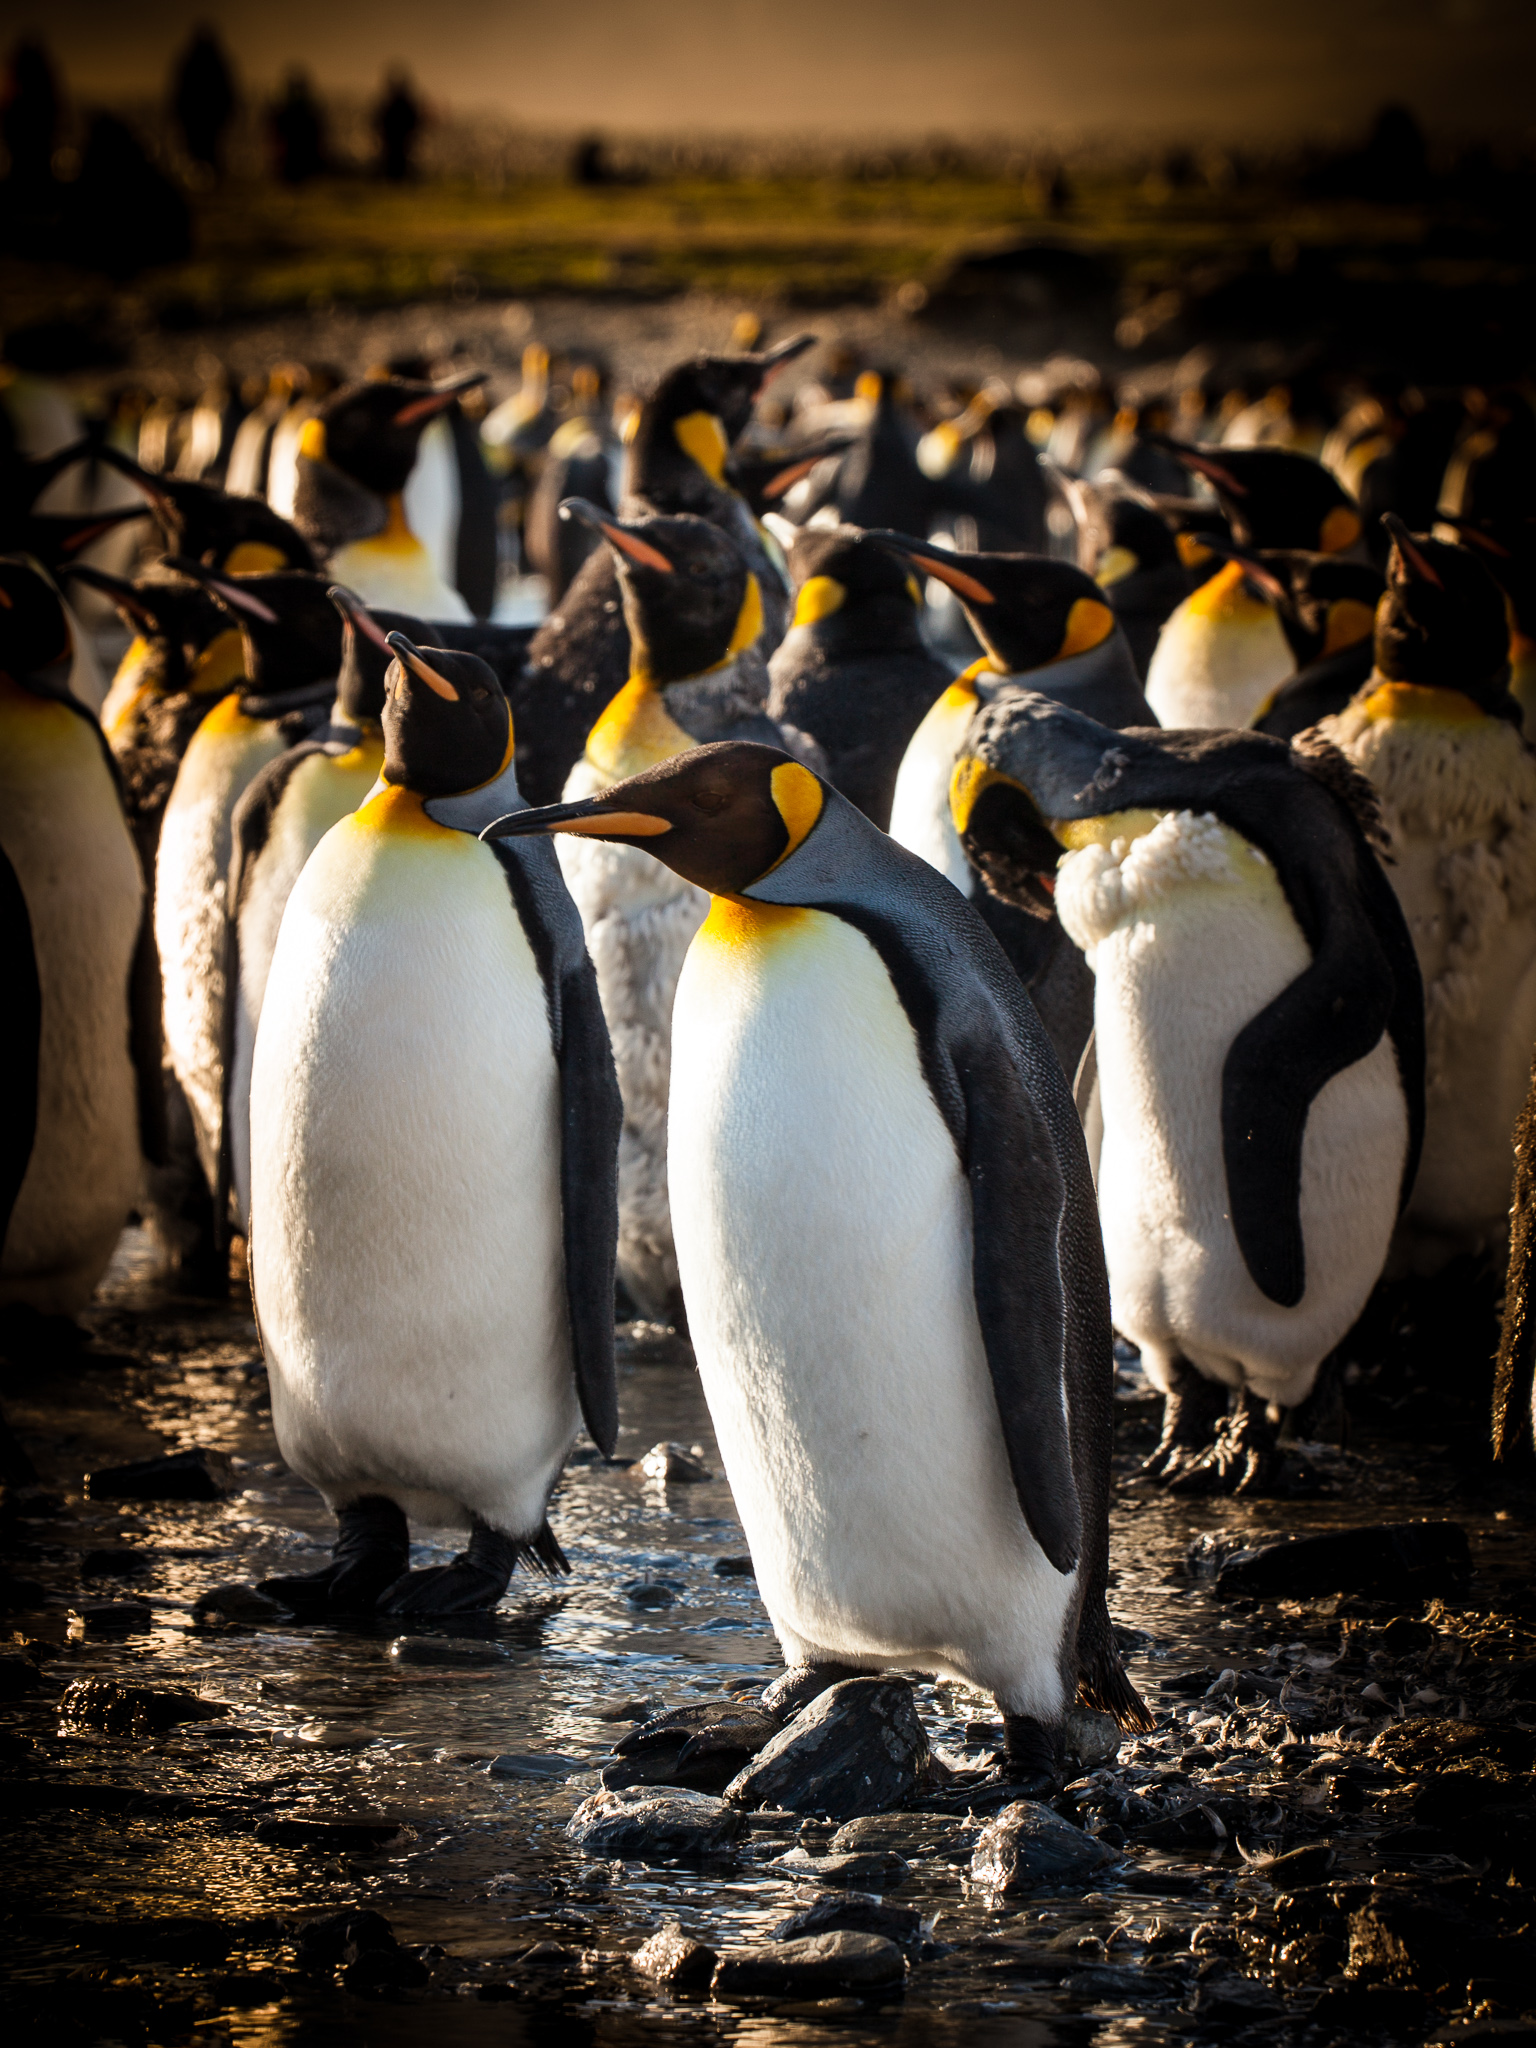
[(1102, 1682), (542, 1554)]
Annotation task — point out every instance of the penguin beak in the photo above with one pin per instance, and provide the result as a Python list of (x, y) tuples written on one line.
[(434, 402), (118, 589), (623, 537), (1265, 582), (1202, 464), (1417, 562), (936, 565), (104, 522), (411, 658), (357, 614), (774, 359), (589, 819), (228, 594)]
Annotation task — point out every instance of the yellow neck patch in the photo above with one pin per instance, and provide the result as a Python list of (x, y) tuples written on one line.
[(971, 776), (220, 665), (735, 922), (1076, 832), (797, 797), (1114, 564), (1421, 703), (1192, 550), (636, 731), (1089, 624), (392, 809), (256, 557), (1349, 622), (701, 437), (396, 537), (749, 621), (819, 598), (1226, 599), (226, 719), (312, 440), (1340, 530)]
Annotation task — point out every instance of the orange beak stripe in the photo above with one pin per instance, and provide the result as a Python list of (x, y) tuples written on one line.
[(637, 550), (958, 581), (603, 824), (428, 675), (1420, 564), (424, 408)]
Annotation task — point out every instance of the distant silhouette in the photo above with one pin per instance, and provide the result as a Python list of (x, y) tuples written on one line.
[(296, 125), (29, 114), (589, 162), (125, 215), (397, 122), (203, 99)]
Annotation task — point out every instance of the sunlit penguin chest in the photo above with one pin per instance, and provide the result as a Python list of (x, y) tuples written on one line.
[(1219, 657), (920, 814), (393, 569)]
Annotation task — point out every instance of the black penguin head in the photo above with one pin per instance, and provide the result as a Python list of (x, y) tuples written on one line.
[(1507, 550), (198, 521), (447, 724), (1273, 497), (192, 645), (1136, 540), (57, 539), (370, 431), (366, 654), (720, 816), (684, 430), (1442, 623), (36, 644), (690, 601), (842, 578), (288, 626), (1329, 603), (1027, 610)]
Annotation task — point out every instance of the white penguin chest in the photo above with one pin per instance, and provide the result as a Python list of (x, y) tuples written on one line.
[(1217, 664), (920, 814)]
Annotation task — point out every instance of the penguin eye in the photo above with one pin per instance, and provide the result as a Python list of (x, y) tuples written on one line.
[(480, 694), (711, 801), (698, 568)]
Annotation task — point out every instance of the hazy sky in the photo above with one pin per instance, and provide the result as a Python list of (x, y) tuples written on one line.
[(1194, 68)]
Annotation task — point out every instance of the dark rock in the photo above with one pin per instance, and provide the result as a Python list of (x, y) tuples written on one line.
[(647, 1826), (1028, 1847), (1436, 1743), (854, 1913), (1235, 2000), (452, 1653), (111, 1618), (947, 1838), (1105, 1981), (114, 1564), (1433, 1939), (815, 1966), (651, 1593), (187, 1475), (1306, 1866), (865, 1870), (549, 1955), (673, 1958), (653, 1767), (675, 1465), (1091, 1737), (134, 1710), (322, 1944), (19, 1596), (238, 1605), (859, 1748), (18, 1677), (1190, 1685), (702, 1746), (734, 1568), (1346, 2011), (1387, 1560), (353, 1837), (525, 1765), (1449, 1797), (379, 1971), (630, 1710)]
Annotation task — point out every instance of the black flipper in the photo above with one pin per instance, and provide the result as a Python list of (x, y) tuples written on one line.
[(23, 1039), (590, 1115)]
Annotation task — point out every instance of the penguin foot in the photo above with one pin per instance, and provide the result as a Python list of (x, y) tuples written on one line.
[(1246, 1456), (1194, 1409), (372, 1548), (475, 1580), (1034, 1756), (802, 1683)]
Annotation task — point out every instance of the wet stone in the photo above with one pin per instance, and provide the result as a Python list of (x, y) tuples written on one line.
[(321, 1944), (186, 1475), (18, 1677), (114, 1564), (1028, 1847), (353, 1837), (449, 1653), (733, 1568), (1091, 1737), (1235, 2000), (855, 1913), (647, 1826), (859, 1748), (1388, 1560), (814, 1966), (630, 1710), (111, 1618), (237, 1604), (674, 1465), (381, 1971), (871, 1870), (651, 1593), (531, 1765), (942, 1837), (701, 1746), (673, 1958), (133, 1710)]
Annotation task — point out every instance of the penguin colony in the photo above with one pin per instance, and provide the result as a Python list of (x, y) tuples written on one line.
[(917, 910)]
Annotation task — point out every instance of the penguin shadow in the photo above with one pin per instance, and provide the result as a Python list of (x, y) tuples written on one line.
[(1419, 1364)]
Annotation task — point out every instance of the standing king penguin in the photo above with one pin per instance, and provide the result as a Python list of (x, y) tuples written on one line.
[(71, 910), (434, 1127), (885, 1226), (1438, 733), (1257, 1050)]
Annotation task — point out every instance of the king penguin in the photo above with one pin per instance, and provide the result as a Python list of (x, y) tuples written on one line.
[(434, 1126), (692, 607), (71, 913), (291, 650), (1438, 734), (1141, 573), (853, 670), (885, 1228), (1256, 1069), (285, 812)]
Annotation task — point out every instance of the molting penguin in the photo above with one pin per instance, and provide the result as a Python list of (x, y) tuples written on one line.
[(1438, 734), (434, 1124), (291, 650), (853, 670), (1507, 550), (285, 812), (354, 459), (1330, 621), (1257, 1059), (674, 463), (71, 914), (693, 607), (885, 1227)]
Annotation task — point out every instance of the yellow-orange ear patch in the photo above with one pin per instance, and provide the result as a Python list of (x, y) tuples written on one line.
[(1089, 624), (971, 776), (797, 797), (701, 436), (1340, 530), (819, 598)]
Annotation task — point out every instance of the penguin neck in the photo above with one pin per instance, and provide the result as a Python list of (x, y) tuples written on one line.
[(220, 665), (1387, 701), (395, 536), (635, 732)]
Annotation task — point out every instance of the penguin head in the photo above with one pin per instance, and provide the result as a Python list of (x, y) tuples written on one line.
[(447, 723), (1273, 497), (842, 578), (1507, 550), (690, 601), (370, 431), (1442, 624), (180, 623), (289, 630), (366, 654), (684, 430), (721, 816), (1136, 540), (56, 539), (1329, 602), (1028, 611), (36, 644), (240, 536)]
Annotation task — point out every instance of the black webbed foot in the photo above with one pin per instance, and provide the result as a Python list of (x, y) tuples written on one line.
[(1246, 1457), (1033, 1758), (802, 1683), (475, 1580), (372, 1548), (1193, 1410)]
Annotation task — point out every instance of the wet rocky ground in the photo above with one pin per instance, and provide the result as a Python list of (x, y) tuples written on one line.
[(221, 1827)]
